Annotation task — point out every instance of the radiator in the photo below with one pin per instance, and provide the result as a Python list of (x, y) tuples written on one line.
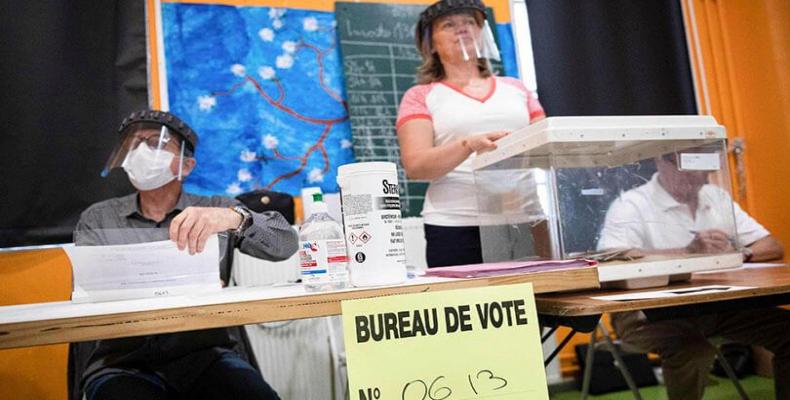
[(300, 359)]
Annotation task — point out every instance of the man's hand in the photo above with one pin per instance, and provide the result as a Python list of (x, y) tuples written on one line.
[(192, 227), (484, 142), (710, 241)]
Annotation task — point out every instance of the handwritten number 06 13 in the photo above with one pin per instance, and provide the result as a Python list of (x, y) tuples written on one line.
[(428, 391), (484, 377)]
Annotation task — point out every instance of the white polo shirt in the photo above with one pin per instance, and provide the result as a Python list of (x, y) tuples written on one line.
[(649, 218), (508, 106)]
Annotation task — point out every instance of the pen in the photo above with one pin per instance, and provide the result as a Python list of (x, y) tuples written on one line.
[(730, 238), (700, 290)]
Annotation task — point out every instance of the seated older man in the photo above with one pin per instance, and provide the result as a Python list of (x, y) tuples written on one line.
[(678, 212), (156, 151)]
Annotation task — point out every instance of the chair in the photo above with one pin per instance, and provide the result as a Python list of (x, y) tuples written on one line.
[(627, 375), (717, 343)]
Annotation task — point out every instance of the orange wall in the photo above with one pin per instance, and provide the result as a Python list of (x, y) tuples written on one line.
[(34, 277), (745, 47)]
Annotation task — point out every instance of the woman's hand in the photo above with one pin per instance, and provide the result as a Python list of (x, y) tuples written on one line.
[(422, 159), (483, 142)]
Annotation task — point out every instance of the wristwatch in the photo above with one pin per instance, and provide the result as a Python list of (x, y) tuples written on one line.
[(246, 218)]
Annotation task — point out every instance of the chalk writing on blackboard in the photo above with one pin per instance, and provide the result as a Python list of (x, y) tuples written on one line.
[(379, 65)]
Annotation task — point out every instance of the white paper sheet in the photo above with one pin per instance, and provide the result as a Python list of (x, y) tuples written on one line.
[(700, 161), (744, 266), (658, 294), (764, 265), (152, 269)]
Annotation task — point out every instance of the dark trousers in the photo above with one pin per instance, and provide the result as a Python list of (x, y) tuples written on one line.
[(687, 355), (452, 245), (229, 377)]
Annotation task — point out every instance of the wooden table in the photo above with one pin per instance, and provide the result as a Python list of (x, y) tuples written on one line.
[(61, 322), (767, 282), (582, 312)]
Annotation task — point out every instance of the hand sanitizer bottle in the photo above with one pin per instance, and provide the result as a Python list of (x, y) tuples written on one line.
[(322, 250)]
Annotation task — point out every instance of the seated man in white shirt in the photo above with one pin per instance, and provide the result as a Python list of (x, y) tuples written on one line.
[(678, 212)]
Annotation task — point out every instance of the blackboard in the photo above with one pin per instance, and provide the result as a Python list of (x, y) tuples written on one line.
[(380, 63)]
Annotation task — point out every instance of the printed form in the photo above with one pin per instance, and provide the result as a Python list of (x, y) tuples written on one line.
[(152, 269)]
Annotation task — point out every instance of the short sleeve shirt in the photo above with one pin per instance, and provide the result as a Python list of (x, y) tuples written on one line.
[(649, 218), (455, 115)]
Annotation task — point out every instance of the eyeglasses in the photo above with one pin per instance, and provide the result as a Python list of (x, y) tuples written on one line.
[(155, 141), (670, 158)]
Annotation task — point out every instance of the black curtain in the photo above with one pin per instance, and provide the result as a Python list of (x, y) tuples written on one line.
[(611, 57), (71, 71), (607, 57)]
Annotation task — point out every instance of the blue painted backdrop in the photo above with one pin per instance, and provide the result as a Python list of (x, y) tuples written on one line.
[(263, 87)]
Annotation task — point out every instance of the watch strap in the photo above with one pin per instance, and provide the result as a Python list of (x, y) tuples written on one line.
[(246, 218)]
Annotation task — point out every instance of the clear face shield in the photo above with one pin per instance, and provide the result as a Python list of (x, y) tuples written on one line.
[(471, 34), (146, 152)]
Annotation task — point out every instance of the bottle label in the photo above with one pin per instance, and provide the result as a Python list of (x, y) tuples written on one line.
[(323, 261)]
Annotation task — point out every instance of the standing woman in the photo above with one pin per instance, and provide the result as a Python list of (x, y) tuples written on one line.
[(457, 109)]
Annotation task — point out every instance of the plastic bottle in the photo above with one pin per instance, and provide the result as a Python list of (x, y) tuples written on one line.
[(322, 250)]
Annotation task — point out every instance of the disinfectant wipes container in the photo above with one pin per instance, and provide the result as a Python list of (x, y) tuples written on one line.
[(370, 199)]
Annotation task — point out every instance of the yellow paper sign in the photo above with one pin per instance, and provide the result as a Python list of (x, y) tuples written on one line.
[(481, 343)]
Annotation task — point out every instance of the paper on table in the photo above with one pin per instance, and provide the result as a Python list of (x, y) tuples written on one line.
[(689, 291), (744, 266), (506, 267), (764, 265), (103, 273)]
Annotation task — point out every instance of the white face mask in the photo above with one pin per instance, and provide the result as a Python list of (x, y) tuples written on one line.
[(148, 169)]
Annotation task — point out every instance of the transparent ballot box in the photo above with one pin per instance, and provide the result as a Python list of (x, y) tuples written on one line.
[(647, 196)]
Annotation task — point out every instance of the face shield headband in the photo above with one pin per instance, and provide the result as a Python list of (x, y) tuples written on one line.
[(465, 21)]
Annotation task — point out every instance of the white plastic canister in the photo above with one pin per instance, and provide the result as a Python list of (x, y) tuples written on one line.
[(372, 221)]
